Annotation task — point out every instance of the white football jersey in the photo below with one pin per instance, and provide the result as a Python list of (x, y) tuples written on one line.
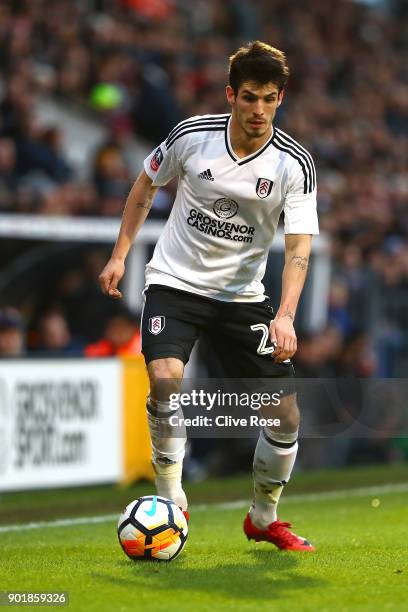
[(216, 240)]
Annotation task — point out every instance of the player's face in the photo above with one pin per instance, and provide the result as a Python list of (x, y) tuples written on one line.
[(254, 107)]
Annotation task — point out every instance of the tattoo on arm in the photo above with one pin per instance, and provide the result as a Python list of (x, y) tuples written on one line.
[(300, 262), (146, 205), (288, 313)]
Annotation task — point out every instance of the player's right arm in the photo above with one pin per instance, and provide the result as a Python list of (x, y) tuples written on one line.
[(163, 164), (137, 207)]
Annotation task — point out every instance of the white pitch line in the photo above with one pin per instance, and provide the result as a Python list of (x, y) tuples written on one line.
[(82, 520), (241, 503), (312, 497)]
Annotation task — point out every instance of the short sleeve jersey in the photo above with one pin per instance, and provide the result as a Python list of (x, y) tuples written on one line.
[(216, 240)]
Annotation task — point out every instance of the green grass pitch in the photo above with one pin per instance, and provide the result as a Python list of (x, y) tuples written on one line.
[(361, 562)]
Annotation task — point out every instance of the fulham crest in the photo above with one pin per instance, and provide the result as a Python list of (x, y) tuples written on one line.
[(156, 325), (263, 187)]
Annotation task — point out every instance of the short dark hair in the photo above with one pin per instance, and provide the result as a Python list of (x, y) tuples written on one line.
[(259, 62)]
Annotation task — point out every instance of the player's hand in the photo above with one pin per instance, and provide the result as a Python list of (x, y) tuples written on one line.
[(282, 334), (110, 276)]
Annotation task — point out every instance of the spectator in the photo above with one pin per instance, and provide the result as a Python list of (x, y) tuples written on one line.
[(12, 333), (338, 306), (122, 337), (8, 174), (54, 337)]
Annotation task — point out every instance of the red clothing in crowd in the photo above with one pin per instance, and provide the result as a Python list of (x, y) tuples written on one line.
[(105, 348)]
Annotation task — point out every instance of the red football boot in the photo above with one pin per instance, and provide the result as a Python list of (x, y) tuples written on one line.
[(186, 514), (277, 533)]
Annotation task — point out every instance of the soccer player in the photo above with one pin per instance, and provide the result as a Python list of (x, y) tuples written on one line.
[(236, 173)]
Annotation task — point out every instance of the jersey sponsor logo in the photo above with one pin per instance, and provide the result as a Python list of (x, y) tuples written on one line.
[(220, 229), (156, 325), (156, 160), (206, 175), (225, 208), (263, 187)]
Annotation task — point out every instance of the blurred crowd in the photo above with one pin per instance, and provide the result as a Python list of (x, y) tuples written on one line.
[(53, 336), (140, 66)]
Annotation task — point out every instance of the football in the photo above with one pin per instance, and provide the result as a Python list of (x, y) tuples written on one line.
[(152, 527)]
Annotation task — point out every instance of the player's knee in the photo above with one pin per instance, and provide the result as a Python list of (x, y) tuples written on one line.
[(291, 421), (289, 414), (165, 377), (169, 367)]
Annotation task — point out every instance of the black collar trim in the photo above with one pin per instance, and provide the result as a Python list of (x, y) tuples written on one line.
[(245, 160)]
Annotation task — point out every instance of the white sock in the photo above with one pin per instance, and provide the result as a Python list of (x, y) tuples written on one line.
[(167, 451), (274, 458), (168, 482)]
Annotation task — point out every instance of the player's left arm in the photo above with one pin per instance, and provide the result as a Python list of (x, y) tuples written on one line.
[(301, 224), (282, 331)]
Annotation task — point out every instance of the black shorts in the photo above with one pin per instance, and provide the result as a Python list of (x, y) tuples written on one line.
[(238, 332)]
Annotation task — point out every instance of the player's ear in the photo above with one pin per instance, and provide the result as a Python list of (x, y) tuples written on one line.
[(280, 96), (230, 94)]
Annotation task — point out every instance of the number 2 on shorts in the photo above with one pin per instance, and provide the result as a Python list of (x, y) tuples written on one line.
[(262, 348)]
